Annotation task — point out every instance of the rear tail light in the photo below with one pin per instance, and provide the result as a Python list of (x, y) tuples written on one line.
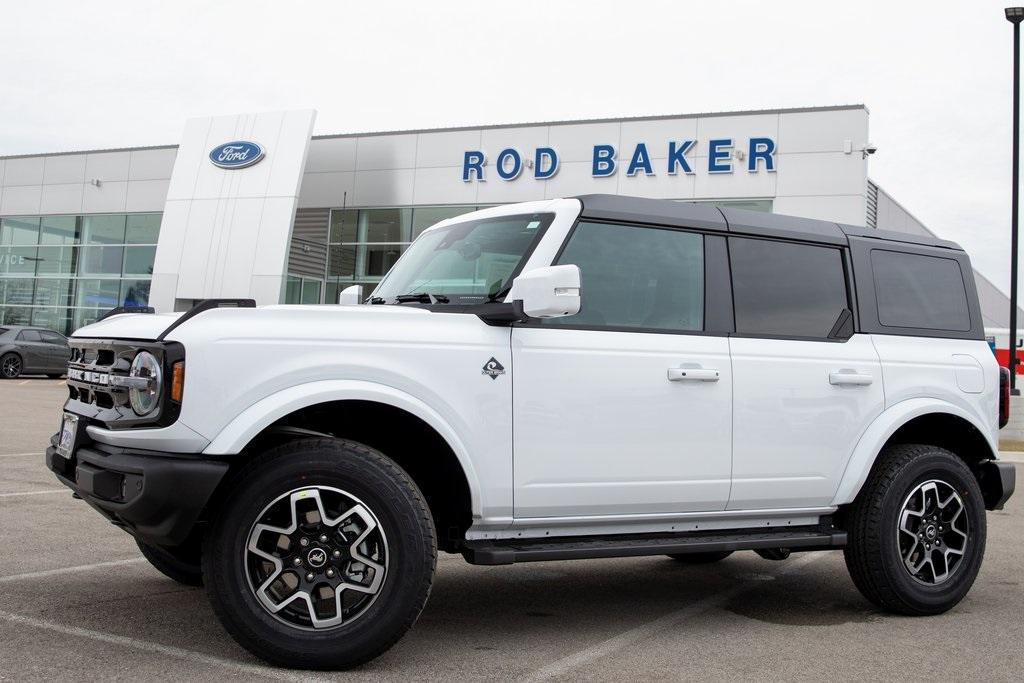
[(177, 381), (1004, 397)]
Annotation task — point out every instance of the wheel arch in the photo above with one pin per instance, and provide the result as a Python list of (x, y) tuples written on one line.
[(927, 421), (378, 416)]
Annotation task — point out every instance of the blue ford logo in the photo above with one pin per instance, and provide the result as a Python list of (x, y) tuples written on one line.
[(238, 154)]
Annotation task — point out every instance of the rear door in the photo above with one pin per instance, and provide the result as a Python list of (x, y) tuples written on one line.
[(34, 352), (625, 408), (806, 385), (57, 352)]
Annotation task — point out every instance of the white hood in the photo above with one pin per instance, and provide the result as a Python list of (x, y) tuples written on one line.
[(146, 326)]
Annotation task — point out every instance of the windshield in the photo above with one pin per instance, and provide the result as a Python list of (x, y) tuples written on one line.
[(472, 261)]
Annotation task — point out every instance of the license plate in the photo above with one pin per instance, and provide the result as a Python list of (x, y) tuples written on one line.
[(68, 434)]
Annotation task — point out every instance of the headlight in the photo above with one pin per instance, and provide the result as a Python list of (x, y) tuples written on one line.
[(145, 399)]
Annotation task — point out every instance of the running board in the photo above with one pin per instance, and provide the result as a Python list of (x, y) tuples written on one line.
[(584, 547)]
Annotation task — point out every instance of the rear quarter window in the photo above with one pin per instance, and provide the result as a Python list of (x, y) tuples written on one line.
[(918, 291)]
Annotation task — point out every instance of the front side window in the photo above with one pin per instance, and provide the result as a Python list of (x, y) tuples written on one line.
[(918, 291), (637, 277), (465, 262), (29, 336), (787, 289)]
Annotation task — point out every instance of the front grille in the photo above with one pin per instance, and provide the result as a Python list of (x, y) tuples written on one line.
[(90, 394)]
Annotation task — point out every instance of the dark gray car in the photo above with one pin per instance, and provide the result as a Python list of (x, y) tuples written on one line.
[(32, 350)]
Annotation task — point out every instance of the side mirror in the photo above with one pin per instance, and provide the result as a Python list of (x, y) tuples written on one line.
[(549, 292), (351, 296)]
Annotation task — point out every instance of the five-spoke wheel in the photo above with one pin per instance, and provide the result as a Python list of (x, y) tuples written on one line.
[(933, 532), (316, 557), (916, 531), (320, 554)]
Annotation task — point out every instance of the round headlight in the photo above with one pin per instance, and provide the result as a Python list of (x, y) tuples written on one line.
[(145, 400)]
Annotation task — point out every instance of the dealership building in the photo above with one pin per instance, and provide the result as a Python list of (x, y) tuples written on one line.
[(255, 206)]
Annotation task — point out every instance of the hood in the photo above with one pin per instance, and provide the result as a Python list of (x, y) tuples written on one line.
[(263, 322), (142, 326)]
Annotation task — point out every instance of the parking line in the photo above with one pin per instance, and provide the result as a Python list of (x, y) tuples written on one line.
[(34, 493), (153, 648), (67, 570), (563, 667), (19, 455)]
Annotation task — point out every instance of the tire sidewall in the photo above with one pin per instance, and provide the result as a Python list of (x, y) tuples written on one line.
[(408, 544), (943, 466), (3, 359)]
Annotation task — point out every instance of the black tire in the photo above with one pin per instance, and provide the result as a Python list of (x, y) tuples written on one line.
[(11, 366), (874, 556), (181, 564), (701, 558), (297, 467)]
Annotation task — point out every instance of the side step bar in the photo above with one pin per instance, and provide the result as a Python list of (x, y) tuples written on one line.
[(510, 551)]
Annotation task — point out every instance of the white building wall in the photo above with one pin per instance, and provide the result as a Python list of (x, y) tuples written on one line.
[(225, 232), (113, 181), (820, 171)]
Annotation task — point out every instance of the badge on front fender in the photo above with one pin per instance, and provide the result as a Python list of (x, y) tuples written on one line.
[(493, 368)]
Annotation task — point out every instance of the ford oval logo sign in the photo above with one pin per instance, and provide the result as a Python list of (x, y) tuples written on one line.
[(238, 154)]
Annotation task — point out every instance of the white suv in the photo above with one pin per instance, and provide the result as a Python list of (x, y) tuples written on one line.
[(596, 376)]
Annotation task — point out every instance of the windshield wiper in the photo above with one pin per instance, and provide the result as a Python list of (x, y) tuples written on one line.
[(422, 297)]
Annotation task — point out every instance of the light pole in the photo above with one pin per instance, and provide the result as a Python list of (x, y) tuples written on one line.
[(1014, 15)]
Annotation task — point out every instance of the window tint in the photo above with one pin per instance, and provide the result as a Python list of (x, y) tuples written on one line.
[(29, 336), (785, 289), (637, 277), (913, 290), (52, 338)]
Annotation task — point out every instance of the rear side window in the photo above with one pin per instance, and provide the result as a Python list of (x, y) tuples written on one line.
[(52, 338), (924, 292), (3, 331), (29, 335), (786, 289)]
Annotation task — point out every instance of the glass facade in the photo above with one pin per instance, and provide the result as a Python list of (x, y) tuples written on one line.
[(63, 272)]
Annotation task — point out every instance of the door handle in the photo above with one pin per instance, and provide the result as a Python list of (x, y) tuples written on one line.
[(692, 375), (849, 378)]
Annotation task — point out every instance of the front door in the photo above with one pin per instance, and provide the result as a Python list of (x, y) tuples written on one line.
[(624, 408)]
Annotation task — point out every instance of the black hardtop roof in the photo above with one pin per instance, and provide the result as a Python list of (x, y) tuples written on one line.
[(707, 216)]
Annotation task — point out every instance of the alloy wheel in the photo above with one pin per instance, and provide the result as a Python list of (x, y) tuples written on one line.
[(10, 367), (316, 558), (933, 532)]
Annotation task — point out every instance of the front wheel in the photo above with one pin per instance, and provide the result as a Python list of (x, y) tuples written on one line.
[(917, 531), (322, 555), (10, 366)]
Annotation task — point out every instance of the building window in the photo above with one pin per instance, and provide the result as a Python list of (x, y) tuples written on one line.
[(62, 272), (365, 243)]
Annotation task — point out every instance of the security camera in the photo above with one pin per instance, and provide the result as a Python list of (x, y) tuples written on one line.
[(870, 149)]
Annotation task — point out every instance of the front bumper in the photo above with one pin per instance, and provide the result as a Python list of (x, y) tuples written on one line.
[(157, 497)]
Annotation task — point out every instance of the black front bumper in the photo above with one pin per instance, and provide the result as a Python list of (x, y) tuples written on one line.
[(157, 497)]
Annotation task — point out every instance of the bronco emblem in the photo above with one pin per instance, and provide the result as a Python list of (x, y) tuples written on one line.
[(493, 368)]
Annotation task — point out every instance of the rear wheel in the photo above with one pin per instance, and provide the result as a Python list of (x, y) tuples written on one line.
[(917, 531), (10, 366), (322, 555), (701, 558), (180, 564)]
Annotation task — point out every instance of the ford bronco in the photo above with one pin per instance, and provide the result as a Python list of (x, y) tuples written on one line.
[(587, 377)]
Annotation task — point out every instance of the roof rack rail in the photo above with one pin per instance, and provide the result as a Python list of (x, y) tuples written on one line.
[(125, 309), (206, 305)]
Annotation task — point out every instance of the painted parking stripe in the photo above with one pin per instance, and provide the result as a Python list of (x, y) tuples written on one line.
[(153, 648), (69, 570), (19, 455), (47, 492), (562, 668)]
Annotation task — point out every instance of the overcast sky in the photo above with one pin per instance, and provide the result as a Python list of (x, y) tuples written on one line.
[(936, 76)]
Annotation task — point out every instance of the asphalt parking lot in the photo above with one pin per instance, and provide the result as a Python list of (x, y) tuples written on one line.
[(77, 600)]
